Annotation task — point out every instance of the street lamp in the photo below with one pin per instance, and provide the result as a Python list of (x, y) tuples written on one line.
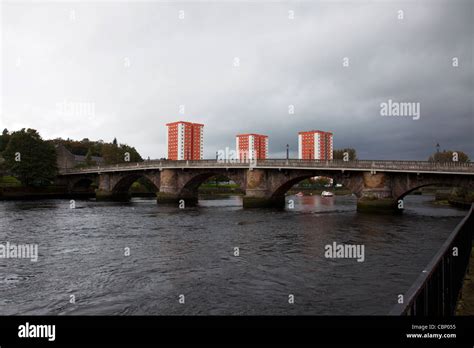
[(287, 151)]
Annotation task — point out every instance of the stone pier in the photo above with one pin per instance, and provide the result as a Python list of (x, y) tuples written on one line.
[(173, 190), (259, 192), (376, 195)]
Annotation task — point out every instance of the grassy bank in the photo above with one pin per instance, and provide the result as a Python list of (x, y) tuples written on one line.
[(12, 189), (9, 181), (318, 191), (27, 193), (220, 189), (465, 304)]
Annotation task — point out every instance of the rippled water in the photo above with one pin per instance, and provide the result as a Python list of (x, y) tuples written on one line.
[(191, 252)]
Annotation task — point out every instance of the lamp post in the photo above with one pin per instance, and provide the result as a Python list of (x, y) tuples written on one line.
[(287, 151)]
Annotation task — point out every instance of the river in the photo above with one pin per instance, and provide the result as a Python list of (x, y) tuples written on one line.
[(83, 265)]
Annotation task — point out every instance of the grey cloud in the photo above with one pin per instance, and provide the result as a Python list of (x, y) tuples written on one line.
[(283, 62)]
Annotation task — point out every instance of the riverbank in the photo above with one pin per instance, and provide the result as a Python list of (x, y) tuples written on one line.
[(220, 190), (465, 304), (318, 191), (34, 193)]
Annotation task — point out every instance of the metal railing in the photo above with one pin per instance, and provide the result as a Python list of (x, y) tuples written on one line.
[(379, 165), (436, 290)]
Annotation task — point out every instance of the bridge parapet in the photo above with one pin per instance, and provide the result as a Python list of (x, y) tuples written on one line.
[(359, 165)]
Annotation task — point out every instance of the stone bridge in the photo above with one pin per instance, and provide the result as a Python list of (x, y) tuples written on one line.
[(378, 185)]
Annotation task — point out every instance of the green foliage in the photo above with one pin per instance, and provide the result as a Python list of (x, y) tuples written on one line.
[(30, 159), (218, 180), (338, 154), (4, 139), (117, 154), (3, 166), (147, 184), (9, 181), (315, 182), (111, 152), (211, 185), (447, 156), (89, 161), (305, 183), (80, 147), (134, 155), (321, 181)]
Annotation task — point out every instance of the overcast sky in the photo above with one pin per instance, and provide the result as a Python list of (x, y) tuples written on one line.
[(101, 70)]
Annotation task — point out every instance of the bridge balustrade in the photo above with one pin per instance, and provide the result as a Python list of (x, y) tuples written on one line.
[(291, 163)]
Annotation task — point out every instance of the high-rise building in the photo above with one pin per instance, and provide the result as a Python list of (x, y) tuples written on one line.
[(315, 144), (251, 146), (184, 140)]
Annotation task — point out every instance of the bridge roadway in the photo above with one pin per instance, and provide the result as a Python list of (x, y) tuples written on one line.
[(378, 184)]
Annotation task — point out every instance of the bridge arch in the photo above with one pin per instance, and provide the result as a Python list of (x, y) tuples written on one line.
[(282, 186), (116, 185), (191, 184), (286, 186), (404, 185), (412, 189), (268, 188), (183, 184), (81, 183), (124, 183), (454, 195), (82, 186)]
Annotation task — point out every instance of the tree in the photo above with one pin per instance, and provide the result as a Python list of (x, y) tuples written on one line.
[(89, 161), (448, 156), (4, 139), (134, 155), (339, 154), (31, 159), (147, 184), (322, 181), (113, 154)]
